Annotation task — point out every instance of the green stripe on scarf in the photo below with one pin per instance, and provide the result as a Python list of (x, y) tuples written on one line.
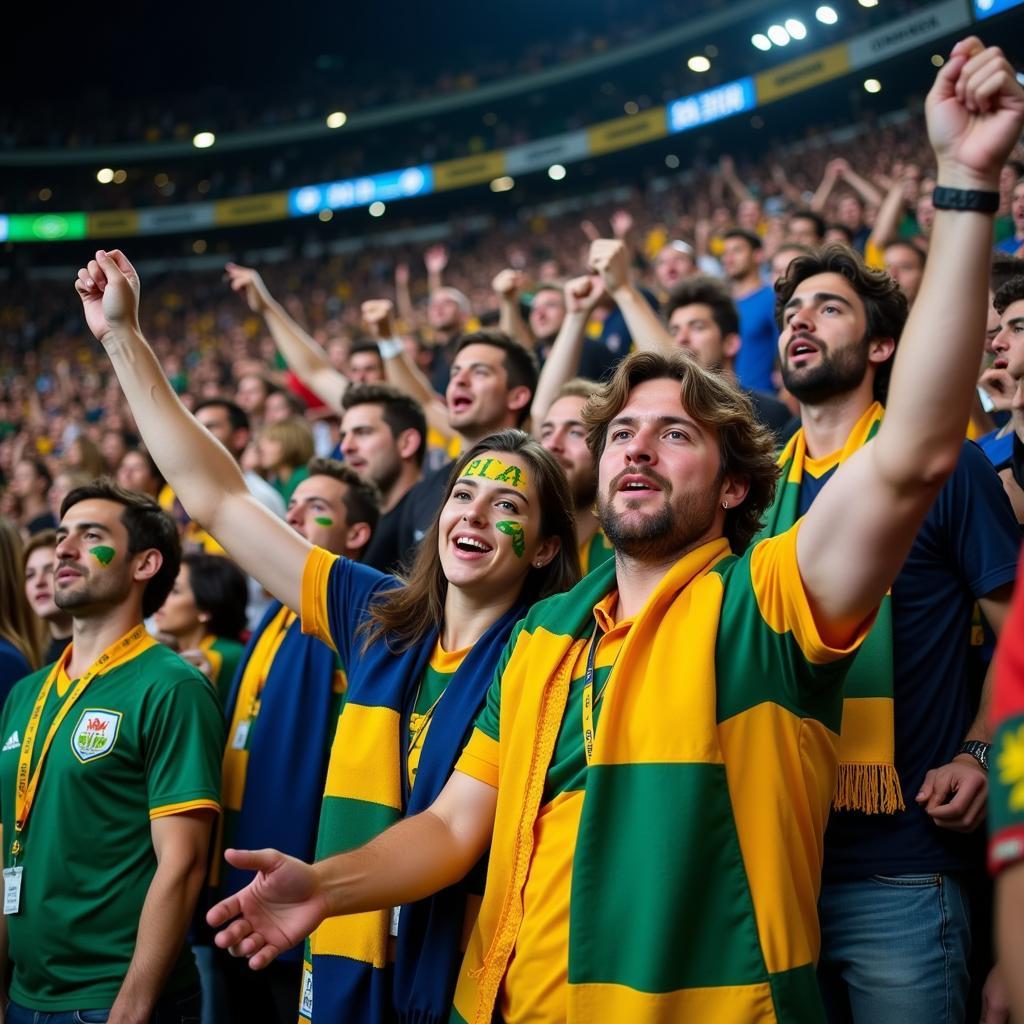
[(867, 773)]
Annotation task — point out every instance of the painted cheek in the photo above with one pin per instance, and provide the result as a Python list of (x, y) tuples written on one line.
[(518, 535), (323, 521), (103, 554)]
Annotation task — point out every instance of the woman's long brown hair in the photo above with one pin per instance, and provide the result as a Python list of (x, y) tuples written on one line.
[(17, 621), (406, 614)]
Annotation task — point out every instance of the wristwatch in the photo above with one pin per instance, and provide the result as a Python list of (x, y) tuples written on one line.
[(978, 750), (964, 200)]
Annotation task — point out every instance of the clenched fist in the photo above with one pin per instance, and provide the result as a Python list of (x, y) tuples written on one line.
[(378, 315), (508, 283), (610, 258)]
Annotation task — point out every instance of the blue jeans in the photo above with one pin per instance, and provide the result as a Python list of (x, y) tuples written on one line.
[(181, 1008), (894, 950)]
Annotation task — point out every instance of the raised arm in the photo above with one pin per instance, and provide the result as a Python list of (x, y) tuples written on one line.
[(727, 167), (829, 180), (857, 534), (202, 474), (435, 259), (417, 857), (610, 258), (305, 358), (507, 285), (864, 188), (403, 296), (563, 362), (887, 221)]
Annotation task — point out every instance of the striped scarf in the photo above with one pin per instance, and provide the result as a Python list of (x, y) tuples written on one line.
[(868, 781), (271, 788), (703, 813), (367, 791)]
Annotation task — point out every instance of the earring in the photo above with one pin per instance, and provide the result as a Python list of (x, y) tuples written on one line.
[(725, 505)]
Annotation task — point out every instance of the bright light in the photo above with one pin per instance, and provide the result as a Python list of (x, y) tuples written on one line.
[(503, 184), (325, 215), (203, 140), (872, 85), (938, 60), (796, 28), (778, 35), (377, 209), (556, 172), (761, 41), (699, 64), (337, 119), (868, 3), (826, 15), (105, 175), (120, 177)]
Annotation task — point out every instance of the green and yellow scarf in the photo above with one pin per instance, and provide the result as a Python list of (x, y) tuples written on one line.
[(868, 780)]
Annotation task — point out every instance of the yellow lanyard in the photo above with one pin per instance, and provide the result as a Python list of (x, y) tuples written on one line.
[(132, 643), (588, 696)]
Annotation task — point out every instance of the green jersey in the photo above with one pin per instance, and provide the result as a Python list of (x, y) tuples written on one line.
[(143, 741)]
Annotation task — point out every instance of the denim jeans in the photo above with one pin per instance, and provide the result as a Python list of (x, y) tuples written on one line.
[(181, 1008), (894, 950)]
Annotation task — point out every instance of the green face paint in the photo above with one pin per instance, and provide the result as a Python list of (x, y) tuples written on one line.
[(102, 554), (515, 531), (491, 468), (323, 521)]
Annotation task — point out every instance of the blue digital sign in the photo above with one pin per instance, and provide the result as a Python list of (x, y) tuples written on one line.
[(712, 105), (986, 8), (352, 192)]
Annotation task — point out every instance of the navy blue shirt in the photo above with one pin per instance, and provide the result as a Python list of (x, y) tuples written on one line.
[(759, 340), (966, 548)]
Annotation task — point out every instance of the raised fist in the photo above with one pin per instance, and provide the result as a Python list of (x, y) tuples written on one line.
[(507, 283), (622, 223), (402, 275), (435, 259), (610, 259), (109, 289), (378, 315), (246, 281), (583, 293)]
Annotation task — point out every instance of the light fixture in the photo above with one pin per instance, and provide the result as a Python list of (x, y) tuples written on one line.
[(105, 175), (796, 28), (868, 3), (778, 35), (672, 161), (336, 119), (503, 184), (203, 140), (872, 85), (556, 172), (120, 177), (199, 247), (325, 214), (160, 180), (761, 41), (700, 64), (45, 194), (377, 209), (826, 15), (938, 60), (631, 107)]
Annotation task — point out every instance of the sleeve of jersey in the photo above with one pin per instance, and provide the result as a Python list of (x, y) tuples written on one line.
[(184, 747), (783, 601), (1006, 785)]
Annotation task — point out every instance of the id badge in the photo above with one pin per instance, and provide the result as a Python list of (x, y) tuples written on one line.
[(241, 734), (12, 890), (395, 914)]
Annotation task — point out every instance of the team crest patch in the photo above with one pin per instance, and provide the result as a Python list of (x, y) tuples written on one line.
[(95, 734)]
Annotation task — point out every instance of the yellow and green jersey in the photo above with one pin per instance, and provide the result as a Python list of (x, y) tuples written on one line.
[(595, 552), (143, 741)]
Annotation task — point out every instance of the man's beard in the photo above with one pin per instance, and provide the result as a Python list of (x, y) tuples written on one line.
[(836, 373), (668, 531)]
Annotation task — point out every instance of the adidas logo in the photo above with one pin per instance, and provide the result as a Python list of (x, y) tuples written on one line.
[(13, 742)]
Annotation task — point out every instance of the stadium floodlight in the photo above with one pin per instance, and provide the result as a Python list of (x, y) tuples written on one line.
[(778, 35), (796, 28), (556, 172), (826, 15), (700, 64), (872, 85), (377, 209), (503, 184), (868, 3), (203, 140), (336, 119), (105, 175), (761, 41)]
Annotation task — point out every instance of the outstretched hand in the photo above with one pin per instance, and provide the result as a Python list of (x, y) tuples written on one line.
[(975, 112), (274, 912), (247, 281), (109, 289)]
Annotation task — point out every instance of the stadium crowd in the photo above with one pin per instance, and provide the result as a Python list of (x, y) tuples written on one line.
[(472, 509)]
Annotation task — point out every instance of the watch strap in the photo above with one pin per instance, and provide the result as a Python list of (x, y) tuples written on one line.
[(978, 750), (964, 199)]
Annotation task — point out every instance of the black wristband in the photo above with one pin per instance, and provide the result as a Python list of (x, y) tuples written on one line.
[(976, 749), (964, 199)]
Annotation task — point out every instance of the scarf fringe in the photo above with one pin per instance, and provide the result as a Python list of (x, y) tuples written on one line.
[(870, 788)]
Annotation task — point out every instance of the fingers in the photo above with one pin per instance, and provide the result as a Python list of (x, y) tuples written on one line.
[(96, 273), (252, 860), (121, 262), (264, 957), (927, 788), (223, 911), (233, 934)]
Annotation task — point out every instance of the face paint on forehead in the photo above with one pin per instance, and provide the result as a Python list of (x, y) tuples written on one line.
[(492, 468), (103, 554), (518, 535)]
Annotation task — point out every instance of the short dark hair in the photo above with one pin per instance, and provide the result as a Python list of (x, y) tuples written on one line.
[(365, 346), (397, 409), (906, 243), (148, 526), (40, 467), (710, 292), (1009, 292), (238, 417), (752, 238), (815, 218), (520, 362), (362, 499), (885, 306), (154, 469), (1004, 268), (842, 229), (296, 406), (220, 589)]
